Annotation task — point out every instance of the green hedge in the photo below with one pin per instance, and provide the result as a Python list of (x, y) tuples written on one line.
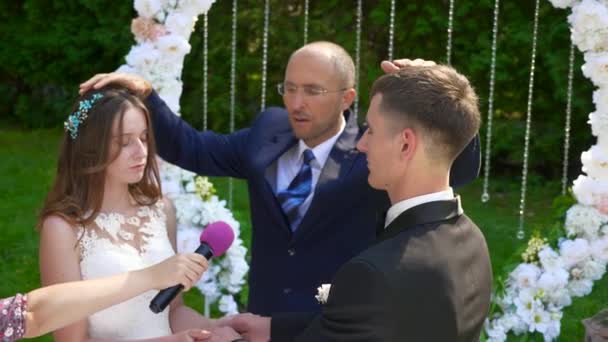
[(49, 47)]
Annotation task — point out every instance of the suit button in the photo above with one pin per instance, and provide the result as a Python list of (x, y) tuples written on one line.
[(291, 252), (287, 290)]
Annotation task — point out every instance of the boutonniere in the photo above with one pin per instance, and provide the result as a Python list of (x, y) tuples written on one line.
[(322, 293)]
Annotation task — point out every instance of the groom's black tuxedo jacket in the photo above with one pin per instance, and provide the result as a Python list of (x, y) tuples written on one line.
[(427, 278)]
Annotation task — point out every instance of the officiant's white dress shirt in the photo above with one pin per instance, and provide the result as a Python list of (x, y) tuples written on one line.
[(290, 162)]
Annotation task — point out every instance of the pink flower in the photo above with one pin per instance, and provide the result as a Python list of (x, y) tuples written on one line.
[(602, 204), (146, 29)]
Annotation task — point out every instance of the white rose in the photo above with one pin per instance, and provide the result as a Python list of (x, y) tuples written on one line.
[(562, 3), (180, 23), (147, 8), (525, 275), (574, 251), (596, 68), (589, 25)]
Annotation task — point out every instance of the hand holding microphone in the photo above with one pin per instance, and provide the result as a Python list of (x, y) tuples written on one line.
[(215, 240)]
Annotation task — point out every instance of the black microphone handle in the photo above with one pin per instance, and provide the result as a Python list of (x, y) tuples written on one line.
[(165, 296)]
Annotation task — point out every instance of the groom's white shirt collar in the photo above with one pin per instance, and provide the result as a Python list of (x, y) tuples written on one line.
[(399, 207)]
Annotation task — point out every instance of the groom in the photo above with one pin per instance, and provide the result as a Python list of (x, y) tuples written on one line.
[(428, 275)]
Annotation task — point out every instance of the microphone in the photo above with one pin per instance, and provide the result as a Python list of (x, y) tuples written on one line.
[(215, 240)]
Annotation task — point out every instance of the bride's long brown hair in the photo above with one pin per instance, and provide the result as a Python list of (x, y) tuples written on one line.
[(78, 189)]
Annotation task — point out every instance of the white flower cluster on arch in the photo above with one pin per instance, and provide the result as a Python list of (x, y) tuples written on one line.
[(162, 32), (537, 291)]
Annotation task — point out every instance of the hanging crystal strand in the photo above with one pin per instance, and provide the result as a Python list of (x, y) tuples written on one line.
[(232, 88), (305, 21), (524, 173), (567, 124), (485, 196), (391, 31), (205, 56), (265, 53), (357, 54), (450, 26)]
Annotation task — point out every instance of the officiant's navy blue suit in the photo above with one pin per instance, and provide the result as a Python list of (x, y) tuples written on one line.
[(287, 267)]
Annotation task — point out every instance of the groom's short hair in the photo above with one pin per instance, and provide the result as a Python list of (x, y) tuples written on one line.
[(436, 101)]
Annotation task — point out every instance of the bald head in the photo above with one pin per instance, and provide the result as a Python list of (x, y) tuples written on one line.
[(340, 59)]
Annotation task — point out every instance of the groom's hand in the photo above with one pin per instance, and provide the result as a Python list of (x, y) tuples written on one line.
[(224, 334), (252, 327), (393, 66)]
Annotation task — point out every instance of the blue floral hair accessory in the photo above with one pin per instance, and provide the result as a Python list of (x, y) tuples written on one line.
[(77, 118)]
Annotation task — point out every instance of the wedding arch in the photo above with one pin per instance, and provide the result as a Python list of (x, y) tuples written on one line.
[(537, 290)]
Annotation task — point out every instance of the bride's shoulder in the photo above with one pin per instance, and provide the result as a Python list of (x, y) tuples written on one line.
[(57, 228), (166, 205)]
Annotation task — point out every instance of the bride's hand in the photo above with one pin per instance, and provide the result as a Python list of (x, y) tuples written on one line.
[(184, 269)]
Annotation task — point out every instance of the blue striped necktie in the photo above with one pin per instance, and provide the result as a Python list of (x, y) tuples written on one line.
[(297, 192)]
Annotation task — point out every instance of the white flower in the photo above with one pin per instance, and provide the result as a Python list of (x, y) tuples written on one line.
[(540, 320), (559, 297), (549, 259), (580, 288), (593, 269), (562, 3), (589, 20), (147, 8), (525, 275), (599, 249), (141, 56), (584, 221), (497, 333), (553, 280), (127, 69), (526, 305), (574, 251), (599, 123), (550, 328), (323, 293), (180, 23), (196, 6), (600, 98), (596, 68), (228, 305), (170, 92), (173, 45)]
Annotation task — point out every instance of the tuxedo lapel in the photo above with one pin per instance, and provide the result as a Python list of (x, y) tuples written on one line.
[(425, 213)]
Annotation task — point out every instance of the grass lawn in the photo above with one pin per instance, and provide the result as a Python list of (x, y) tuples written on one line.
[(28, 165)]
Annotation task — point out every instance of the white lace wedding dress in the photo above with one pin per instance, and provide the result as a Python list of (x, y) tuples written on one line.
[(116, 244)]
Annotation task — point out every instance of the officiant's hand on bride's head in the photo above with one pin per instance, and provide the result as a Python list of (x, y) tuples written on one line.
[(184, 269), (135, 83), (393, 66)]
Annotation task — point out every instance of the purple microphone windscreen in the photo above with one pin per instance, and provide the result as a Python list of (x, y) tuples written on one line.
[(219, 236)]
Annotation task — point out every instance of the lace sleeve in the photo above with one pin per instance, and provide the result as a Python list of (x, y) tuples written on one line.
[(12, 318)]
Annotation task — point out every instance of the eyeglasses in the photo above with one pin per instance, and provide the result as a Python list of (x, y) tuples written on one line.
[(309, 90)]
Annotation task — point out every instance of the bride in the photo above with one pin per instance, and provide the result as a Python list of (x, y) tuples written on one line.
[(105, 214)]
